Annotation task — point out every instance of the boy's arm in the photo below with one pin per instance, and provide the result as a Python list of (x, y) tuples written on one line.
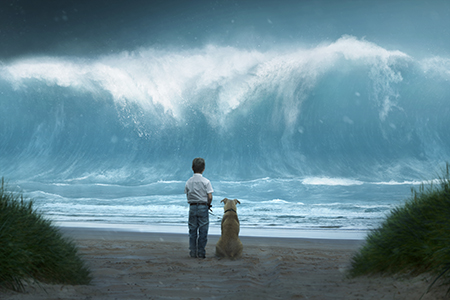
[(209, 201), (209, 198), (186, 191)]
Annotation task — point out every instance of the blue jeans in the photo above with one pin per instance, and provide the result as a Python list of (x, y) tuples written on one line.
[(198, 230)]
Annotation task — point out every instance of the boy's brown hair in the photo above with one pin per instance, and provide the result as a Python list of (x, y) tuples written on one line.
[(198, 165)]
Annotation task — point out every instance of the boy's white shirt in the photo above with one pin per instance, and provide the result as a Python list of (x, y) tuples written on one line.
[(197, 189)]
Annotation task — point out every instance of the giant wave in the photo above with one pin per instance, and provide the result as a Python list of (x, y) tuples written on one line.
[(348, 109)]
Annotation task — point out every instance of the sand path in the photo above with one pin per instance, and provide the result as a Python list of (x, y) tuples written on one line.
[(128, 265)]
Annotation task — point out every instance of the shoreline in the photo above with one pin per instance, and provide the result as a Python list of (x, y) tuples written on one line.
[(107, 234), (289, 233)]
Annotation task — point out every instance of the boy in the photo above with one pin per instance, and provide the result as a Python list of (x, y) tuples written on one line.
[(198, 190)]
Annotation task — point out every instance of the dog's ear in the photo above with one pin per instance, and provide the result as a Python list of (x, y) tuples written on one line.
[(236, 201), (224, 200)]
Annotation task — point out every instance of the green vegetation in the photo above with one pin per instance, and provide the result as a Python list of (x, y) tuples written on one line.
[(414, 238), (31, 248)]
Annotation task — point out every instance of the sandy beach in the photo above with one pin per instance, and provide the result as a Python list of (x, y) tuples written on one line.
[(138, 265)]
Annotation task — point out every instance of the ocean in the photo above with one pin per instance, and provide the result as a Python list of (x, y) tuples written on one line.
[(308, 132)]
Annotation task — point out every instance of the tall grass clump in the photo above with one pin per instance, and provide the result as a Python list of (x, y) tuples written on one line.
[(414, 238), (31, 248)]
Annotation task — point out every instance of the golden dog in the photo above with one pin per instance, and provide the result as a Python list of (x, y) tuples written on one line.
[(229, 244)]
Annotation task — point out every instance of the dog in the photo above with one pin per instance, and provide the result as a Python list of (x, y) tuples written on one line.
[(229, 244)]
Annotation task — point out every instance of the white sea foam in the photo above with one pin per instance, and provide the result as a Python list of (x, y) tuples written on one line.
[(330, 181), (393, 182), (174, 80), (278, 201)]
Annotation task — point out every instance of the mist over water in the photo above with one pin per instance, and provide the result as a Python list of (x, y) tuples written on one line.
[(328, 135)]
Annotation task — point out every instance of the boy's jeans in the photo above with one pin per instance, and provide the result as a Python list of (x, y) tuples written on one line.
[(198, 222)]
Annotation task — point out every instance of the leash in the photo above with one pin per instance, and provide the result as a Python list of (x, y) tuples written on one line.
[(210, 210), (230, 209)]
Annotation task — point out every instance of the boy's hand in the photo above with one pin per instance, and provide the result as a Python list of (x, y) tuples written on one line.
[(209, 207)]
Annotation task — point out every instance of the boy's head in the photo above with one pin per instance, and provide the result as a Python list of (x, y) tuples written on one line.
[(198, 165)]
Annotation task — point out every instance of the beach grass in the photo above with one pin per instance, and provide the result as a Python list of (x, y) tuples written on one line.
[(414, 238), (32, 249)]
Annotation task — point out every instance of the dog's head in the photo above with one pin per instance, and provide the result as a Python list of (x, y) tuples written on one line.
[(229, 204)]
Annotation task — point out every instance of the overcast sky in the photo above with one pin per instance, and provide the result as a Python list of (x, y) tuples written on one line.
[(96, 27)]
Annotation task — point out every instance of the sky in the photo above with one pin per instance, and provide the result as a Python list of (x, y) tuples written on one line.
[(99, 27)]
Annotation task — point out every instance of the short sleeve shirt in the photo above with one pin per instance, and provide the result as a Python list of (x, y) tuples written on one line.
[(197, 189)]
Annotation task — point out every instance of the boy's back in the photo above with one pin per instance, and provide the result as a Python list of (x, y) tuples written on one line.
[(197, 189), (199, 196)]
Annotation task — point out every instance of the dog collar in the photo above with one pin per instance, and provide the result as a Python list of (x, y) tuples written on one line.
[(230, 209)]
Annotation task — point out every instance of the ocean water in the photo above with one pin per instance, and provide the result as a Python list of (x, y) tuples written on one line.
[(308, 204), (308, 132)]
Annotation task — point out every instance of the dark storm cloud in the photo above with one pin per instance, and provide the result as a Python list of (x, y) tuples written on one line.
[(67, 26), (95, 27), (86, 27)]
